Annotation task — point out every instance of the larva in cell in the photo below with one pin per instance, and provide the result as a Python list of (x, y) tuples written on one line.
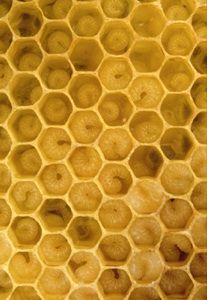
[(198, 232), (5, 283), (5, 107), (5, 73), (87, 25), (199, 91), (200, 294), (29, 61), (5, 37), (5, 143), (25, 293), (199, 22), (115, 8), (84, 293), (58, 78), (179, 44), (26, 230), (28, 126), (5, 213), (4, 7), (60, 8), (144, 293), (179, 81), (199, 162), (56, 179), (111, 112), (177, 12), (29, 162), (85, 266), (198, 267), (5, 178), (58, 41), (199, 196), (54, 249), (87, 94), (6, 249), (199, 127), (115, 215), (116, 40), (198, 58)]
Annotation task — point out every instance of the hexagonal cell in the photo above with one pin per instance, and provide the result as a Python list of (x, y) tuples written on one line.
[(172, 176), (82, 293), (25, 232), (145, 232), (5, 37), (146, 161), (54, 249), (198, 267), (25, 125), (199, 162), (6, 284), (84, 267), (146, 92), (200, 293), (56, 179), (6, 249), (176, 74), (115, 73), (5, 7), (25, 293), (199, 91), (116, 37), (146, 126), (179, 10), (198, 231), (5, 143), (85, 126), (56, 72), (81, 57), (199, 196), (114, 215), (176, 283), (115, 109), (199, 127), (54, 143), (24, 267), (85, 90), (198, 58), (5, 73), (179, 114), (25, 196), (199, 22), (56, 37), (56, 9), (178, 39), (148, 20), (5, 213), (55, 214), (5, 176), (56, 108), (146, 56), (85, 20), (84, 232), (144, 293), (25, 20), (5, 107), (118, 9)]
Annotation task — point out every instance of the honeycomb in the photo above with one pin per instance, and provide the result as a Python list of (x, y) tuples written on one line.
[(103, 149)]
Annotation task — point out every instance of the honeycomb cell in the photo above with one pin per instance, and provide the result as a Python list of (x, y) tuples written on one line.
[(198, 267), (55, 214), (146, 56), (178, 10), (26, 161), (198, 58), (24, 267), (115, 109), (116, 37), (56, 108), (85, 162), (148, 20), (178, 39), (179, 114), (56, 37), (6, 180), (199, 22), (5, 213), (85, 90), (5, 7), (199, 126), (25, 293), (115, 73), (56, 72), (199, 161), (5, 143), (6, 249), (85, 20), (199, 196), (57, 9), (144, 293), (5, 284), (116, 9), (81, 57), (5, 37), (199, 91), (84, 293), (200, 293), (5, 107), (198, 231), (5, 73), (146, 161), (84, 232), (176, 74), (146, 92)]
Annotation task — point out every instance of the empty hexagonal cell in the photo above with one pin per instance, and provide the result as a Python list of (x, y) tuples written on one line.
[(199, 127), (25, 292), (199, 196), (176, 74), (145, 293), (85, 20), (199, 91), (199, 22), (148, 20), (146, 56), (177, 178), (178, 39), (25, 125), (198, 231), (56, 37), (116, 9), (179, 114), (6, 284), (198, 267), (114, 215), (55, 9), (146, 127), (54, 249), (5, 73), (56, 72), (85, 90), (198, 58), (5, 37), (199, 162), (115, 73), (82, 293), (115, 109), (84, 232), (178, 10), (24, 267), (5, 107), (81, 57), (25, 232), (55, 214), (116, 37), (146, 92), (146, 161), (5, 213), (176, 283), (56, 108), (5, 176), (5, 143), (25, 20)]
